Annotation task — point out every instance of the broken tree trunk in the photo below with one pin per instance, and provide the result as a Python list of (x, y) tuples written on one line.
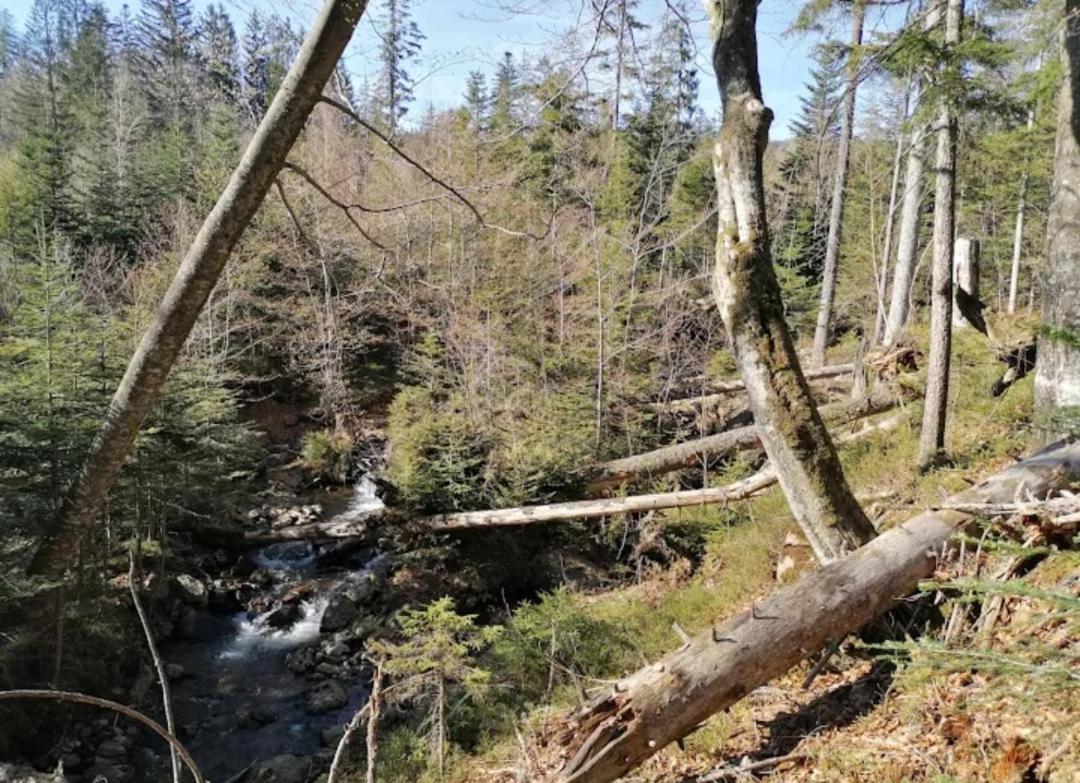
[(668, 700), (683, 455), (966, 284), (748, 297), (197, 276)]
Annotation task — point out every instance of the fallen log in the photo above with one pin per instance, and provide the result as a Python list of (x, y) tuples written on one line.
[(721, 389), (364, 525), (668, 700), (683, 455)]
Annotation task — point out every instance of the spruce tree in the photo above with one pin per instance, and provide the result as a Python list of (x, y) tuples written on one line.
[(255, 91), (400, 45), (505, 95), (476, 100), (218, 53)]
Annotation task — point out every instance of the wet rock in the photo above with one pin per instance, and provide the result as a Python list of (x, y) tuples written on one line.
[(112, 749), (189, 590), (122, 773), (174, 671), (12, 774), (336, 650), (331, 735), (280, 769), (301, 661), (339, 613), (328, 669), (326, 696), (283, 616), (263, 716)]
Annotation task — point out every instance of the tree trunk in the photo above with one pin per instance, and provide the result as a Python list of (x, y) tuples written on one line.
[(748, 297), (907, 246), (1057, 374), (965, 278), (890, 220), (1018, 244), (932, 439), (836, 211), (668, 700), (196, 277)]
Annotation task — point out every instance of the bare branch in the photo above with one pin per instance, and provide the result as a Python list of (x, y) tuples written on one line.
[(346, 208), (166, 697)]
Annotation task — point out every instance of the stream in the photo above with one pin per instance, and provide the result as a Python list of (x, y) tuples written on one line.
[(242, 698)]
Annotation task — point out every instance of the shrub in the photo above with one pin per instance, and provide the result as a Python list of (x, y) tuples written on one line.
[(327, 454)]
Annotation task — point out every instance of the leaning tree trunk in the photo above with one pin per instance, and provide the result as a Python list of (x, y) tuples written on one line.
[(836, 211), (664, 702), (197, 275), (932, 438), (1057, 374), (748, 297)]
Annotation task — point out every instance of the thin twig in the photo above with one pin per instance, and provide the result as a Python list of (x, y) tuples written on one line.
[(346, 208), (106, 704), (166, 695), (732, 772), (480, 219)]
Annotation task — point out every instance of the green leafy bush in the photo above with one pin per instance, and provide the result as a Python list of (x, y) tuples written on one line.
[(328, 454)]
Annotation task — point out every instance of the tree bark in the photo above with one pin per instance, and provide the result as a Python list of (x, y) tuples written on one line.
[(932, 439), (907, 244), (965, 279), (748, 297), (1057, 374), (890, 220), (836, 211), (668, 700), (196, 277), (1018, 241)]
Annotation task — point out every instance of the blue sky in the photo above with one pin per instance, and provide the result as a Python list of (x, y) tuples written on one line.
[(464, 35)]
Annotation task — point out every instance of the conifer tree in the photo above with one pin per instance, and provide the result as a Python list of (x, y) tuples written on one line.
[(400, 40), (476, 100), (218, 53), (255, 92), (505, 94)]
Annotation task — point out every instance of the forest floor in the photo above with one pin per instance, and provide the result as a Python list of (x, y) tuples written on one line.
[(992, 705)]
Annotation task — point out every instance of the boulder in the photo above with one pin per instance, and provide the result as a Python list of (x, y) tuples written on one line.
[(280, 769), (189, 590), (327, 696), (339, 613), (331, 735), (301, 661), (108, 773), (283, 616)]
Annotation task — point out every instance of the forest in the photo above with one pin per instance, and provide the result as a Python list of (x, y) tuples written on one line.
[(636, 409)]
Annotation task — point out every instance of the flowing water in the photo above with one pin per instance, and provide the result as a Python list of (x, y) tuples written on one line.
[(238, 702)]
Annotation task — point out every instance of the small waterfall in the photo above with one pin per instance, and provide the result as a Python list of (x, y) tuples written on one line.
[(255, 634)]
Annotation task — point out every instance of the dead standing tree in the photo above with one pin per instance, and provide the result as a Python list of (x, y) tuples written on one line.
[(748, 296), (198, 274)]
